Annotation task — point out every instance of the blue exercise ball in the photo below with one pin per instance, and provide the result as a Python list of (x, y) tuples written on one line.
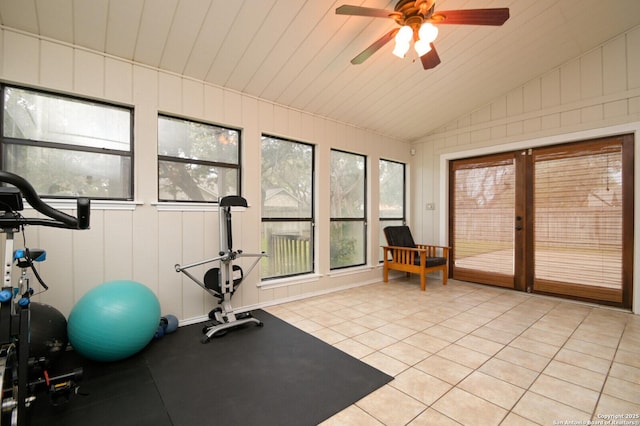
[(113, 321)]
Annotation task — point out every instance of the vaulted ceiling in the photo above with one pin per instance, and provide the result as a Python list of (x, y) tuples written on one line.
[(297, 53)]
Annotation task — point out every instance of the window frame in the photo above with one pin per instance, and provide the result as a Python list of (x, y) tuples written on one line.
[(130, 154), (402, 219), (311, 219), (362, 219), (219, 164)]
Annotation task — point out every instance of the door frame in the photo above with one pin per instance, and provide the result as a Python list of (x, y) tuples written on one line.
[(511, 144), (480, 276)]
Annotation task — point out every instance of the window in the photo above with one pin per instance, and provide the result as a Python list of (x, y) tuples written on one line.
[(197, 162), (348, 207), (65, 146), (392, 193), (287, 207)]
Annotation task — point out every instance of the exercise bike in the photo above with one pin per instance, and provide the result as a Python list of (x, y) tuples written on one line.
[(221, 282), (21, 375)]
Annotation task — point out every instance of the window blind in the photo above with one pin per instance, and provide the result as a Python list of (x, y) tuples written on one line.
[(578, 214), (483, 220)]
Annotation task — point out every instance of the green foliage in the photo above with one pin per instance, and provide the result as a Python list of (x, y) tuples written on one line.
[(197, 160), (342, 252), (287, 168)]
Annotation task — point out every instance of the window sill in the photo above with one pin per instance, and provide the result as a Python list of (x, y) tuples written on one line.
[(351, 271), (176, 206), (71, 204), (284, 282)]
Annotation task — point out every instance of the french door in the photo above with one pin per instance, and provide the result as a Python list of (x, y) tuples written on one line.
[(554, 220)]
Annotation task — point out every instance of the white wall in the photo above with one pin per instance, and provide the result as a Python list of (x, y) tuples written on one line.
[(594, 95), (143, 240)]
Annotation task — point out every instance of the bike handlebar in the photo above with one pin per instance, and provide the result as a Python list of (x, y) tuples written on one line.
[(56, 219)]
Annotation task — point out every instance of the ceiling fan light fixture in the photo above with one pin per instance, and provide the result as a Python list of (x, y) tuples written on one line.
[(428, 32), (416, 19), (405, 34), (403, 41), (401, 48), (422, 47)]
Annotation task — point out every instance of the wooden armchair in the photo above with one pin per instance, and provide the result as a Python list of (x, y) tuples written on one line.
[(403, 254)]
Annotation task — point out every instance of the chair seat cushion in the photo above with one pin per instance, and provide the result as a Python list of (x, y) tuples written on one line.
[(431, 261)]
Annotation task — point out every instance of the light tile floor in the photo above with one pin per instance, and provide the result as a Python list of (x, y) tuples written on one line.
[(479, 355)]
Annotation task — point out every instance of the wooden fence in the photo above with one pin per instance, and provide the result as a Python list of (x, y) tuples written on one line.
[(289, 254)]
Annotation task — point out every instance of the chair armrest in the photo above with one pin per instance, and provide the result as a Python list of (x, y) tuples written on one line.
[(433, 249), (416, 249), (432, 245), (430, 249), (404, 255)]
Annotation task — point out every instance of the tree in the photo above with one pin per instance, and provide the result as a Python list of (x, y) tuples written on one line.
[(287, 166), (198, 161), (347, 205)]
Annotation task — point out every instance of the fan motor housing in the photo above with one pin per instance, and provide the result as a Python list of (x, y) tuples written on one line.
[(409, 14)]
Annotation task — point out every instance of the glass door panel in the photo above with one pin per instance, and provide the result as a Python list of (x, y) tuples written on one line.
[(578, 216), (483, 219)]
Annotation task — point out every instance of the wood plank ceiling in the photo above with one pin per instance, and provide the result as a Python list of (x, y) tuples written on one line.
[(297, 52)]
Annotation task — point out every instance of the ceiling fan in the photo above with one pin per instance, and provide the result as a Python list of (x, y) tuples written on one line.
[(417, 20)]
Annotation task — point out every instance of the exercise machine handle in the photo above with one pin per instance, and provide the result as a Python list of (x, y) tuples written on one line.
[(56, 219)]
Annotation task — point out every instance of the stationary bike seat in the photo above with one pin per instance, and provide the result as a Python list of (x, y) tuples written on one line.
[(22, 256)]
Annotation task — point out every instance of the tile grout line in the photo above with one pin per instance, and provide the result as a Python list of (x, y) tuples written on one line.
[(454, 386), (466, 310), (528, 389), (604, 383)]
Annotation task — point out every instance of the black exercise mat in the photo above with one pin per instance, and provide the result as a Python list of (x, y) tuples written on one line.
[(120, 393), (271, 375)]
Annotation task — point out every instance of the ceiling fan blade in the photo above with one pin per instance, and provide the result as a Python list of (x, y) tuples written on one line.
[(347, 9), (375, 46), (471, 16), (430, 59)]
